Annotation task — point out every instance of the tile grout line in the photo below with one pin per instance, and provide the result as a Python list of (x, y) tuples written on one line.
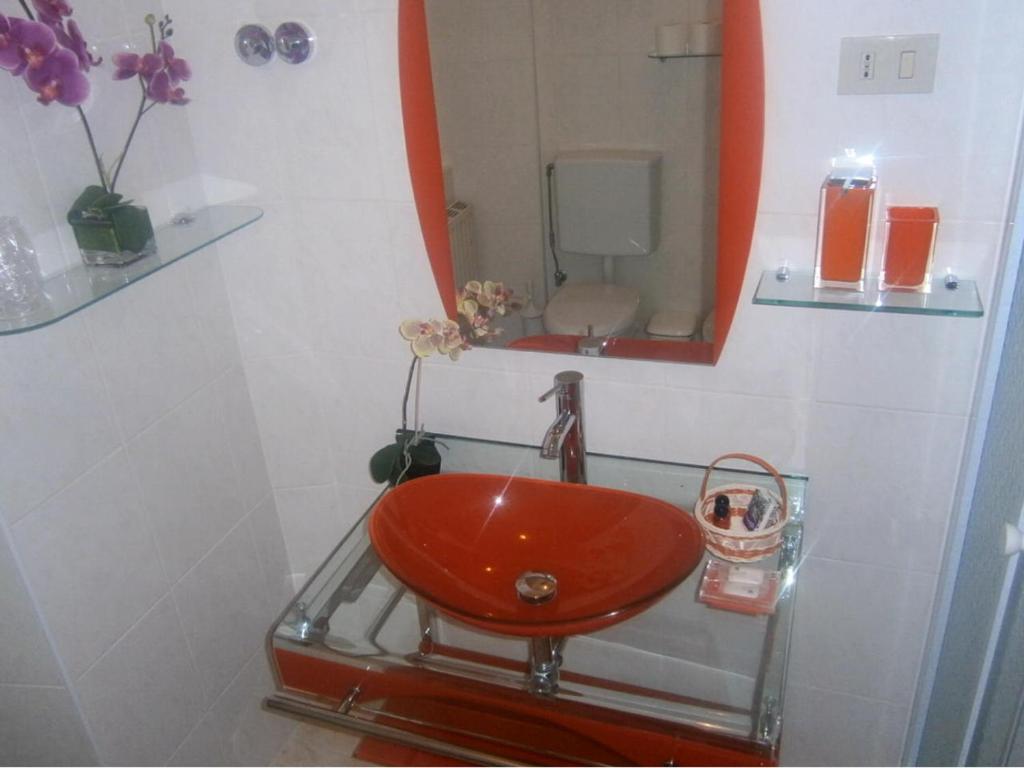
[(29, 686), (857, 696), (122, 445), (875, 566), (8, 540), (213, 704), (168, 593)]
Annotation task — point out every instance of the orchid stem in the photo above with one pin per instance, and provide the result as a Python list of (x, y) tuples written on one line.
[(81, 114), (408, 386), (95, 152), (131, 135)]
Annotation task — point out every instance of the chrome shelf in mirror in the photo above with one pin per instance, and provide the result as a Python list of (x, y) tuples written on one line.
[(357, 649), (81, 286), (664, 56), (797, 290)]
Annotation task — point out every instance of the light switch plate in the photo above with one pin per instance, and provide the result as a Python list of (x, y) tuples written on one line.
[(888, 64)]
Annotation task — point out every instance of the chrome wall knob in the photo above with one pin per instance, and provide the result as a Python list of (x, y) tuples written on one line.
[(294, 42), (254, 45)]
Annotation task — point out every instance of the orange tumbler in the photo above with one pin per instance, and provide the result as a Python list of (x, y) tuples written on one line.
[(844, 222), (909, 248)]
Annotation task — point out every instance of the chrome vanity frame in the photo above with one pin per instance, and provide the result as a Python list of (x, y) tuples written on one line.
[(342, 581)]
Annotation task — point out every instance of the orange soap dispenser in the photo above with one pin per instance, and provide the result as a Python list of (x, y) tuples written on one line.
[(844, 222)]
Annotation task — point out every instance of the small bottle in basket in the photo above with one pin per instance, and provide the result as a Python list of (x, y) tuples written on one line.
[(762, 512), (722, 517)]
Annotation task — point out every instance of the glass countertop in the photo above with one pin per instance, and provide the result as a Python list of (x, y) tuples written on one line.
[(82, 286), (680, 666)]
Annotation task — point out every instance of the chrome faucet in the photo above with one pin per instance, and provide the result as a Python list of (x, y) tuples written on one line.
[(564, 438)]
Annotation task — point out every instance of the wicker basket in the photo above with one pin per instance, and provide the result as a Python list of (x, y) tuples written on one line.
[(740, 545)]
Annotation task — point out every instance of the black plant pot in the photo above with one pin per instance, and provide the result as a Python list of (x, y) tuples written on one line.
[(389, 463)]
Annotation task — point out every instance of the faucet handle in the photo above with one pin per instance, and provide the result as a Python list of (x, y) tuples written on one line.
[(549, 393), (562, 380)]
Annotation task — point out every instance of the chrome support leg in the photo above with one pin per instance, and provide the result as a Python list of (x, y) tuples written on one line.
[(545, 659), (428, 629)]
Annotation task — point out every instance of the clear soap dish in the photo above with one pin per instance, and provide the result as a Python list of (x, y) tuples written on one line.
[(739, 588)]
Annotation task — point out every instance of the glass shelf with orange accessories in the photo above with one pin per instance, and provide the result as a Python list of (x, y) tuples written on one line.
[(949, 296)]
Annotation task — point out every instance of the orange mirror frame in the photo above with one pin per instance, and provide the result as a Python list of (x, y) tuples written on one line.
[(739, 167)]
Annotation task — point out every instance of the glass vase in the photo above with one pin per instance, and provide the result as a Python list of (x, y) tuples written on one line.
[(109, 231)]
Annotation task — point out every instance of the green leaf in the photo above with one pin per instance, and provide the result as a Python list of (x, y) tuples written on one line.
[(108, 200), (382, 463), (88, 198)]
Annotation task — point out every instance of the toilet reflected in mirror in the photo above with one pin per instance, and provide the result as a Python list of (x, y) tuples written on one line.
[(583, 171)]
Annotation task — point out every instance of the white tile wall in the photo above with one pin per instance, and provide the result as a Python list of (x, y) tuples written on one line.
[(248, 734), (872, 733), (27, 659), (106, 545), (54, 432), (287, 393), (315, 321), (201, 747), (860, 629), (40, 726), (316, 522), (485, 89), (184, 465), (147, 677), (92, 561), (129, 451), (223, 608), (273, 555), (872, 407)]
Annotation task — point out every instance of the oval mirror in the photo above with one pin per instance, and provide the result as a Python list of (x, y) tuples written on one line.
[(602, 159)]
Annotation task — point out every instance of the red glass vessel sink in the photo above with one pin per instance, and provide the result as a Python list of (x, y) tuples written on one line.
[(462, 541)]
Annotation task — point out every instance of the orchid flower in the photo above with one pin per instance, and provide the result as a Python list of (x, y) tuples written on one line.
[(478, 303), (70, 36), (10, 54), (161, 89), (24, 44), (177, 69), (161, 72), (52, 11), (129, 65), (467, 307), (429, 336), (50, 52), (59, 78), (452, 341)]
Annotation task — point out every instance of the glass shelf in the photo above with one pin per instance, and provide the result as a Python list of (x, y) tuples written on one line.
[(799, 291), (662, 57), (79, 287)]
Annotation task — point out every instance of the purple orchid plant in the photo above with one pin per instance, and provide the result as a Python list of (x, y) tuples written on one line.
[(48, 51)]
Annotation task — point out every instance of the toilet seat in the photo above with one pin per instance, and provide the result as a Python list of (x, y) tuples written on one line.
[(675, 324), (608, 309)]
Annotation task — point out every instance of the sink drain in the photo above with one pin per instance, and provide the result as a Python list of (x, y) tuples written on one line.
[(536, 588)]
